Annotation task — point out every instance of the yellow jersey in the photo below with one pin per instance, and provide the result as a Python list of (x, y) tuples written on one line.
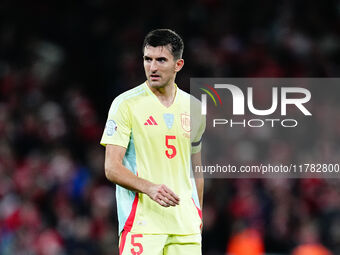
[(159, 141)]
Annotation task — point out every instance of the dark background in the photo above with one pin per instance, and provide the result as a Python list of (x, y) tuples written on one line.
[(63, 62)]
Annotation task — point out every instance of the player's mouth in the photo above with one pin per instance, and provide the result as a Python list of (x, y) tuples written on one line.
[(155, 77)]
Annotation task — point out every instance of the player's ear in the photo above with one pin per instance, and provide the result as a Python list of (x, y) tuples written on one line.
[(179, 64)]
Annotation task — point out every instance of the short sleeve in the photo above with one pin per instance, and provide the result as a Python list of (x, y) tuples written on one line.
[(118, 125)]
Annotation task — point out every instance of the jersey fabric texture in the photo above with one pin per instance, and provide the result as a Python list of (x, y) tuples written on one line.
[(159, 142)]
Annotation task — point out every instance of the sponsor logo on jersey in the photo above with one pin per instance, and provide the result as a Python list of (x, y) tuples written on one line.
[(150, 122)]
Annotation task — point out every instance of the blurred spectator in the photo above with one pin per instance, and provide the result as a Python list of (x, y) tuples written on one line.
[(309, 242), (245, 241)]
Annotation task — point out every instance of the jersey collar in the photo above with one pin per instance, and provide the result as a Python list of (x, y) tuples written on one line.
[(156, 98)]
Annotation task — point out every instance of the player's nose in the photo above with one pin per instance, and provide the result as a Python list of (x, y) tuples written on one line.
[(153, 66)]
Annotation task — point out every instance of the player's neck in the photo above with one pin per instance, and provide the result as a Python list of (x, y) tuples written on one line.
[(166, 95)]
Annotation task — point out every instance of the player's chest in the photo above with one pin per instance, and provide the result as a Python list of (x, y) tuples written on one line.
[(152, 124)]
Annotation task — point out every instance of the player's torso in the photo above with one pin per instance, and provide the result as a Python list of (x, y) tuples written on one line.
[(161, 140), (161, 137)]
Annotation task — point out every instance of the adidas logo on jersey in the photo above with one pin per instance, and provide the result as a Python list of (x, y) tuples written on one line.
[(150, 122)]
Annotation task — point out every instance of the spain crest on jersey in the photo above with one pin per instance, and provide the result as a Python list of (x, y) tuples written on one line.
[(185, 122)]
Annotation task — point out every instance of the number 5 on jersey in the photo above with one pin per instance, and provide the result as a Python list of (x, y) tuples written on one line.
[(138, 246), (171, 152)]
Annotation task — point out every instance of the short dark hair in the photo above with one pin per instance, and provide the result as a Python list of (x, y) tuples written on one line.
[(163, 37)]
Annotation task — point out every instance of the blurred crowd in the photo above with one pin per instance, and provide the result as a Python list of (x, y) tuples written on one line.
[(63, 62), (54, 196)]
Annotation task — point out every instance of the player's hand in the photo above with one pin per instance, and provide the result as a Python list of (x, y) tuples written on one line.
[(162, 195)]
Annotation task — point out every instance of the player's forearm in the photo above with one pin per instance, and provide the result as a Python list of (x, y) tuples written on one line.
[(160, 193), (119, 174), (199, 178), (200, 189)]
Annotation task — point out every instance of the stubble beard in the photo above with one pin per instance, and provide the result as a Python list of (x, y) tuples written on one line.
[(161, 85)]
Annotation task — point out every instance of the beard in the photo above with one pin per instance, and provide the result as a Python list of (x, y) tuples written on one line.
[(158, 84)]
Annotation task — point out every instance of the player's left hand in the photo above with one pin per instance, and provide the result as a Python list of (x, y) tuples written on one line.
[(162, 195)]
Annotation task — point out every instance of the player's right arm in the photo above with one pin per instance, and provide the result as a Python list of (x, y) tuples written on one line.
[(117, 173)]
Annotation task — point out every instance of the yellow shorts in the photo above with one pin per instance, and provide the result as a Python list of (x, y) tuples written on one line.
[(145, 244)]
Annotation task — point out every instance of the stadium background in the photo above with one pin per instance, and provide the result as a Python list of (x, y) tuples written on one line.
[(62, 63)]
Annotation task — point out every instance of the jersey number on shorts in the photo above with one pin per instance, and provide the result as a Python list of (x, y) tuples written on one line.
[(172, 149), (138, 246)]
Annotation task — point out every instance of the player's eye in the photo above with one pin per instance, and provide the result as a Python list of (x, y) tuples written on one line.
[(162, 60), (147, 59)]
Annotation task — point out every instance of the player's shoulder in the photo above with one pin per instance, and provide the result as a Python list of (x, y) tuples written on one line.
[(129, 96), (131, 93), (190, 98), (183, 94), (123, 101)]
